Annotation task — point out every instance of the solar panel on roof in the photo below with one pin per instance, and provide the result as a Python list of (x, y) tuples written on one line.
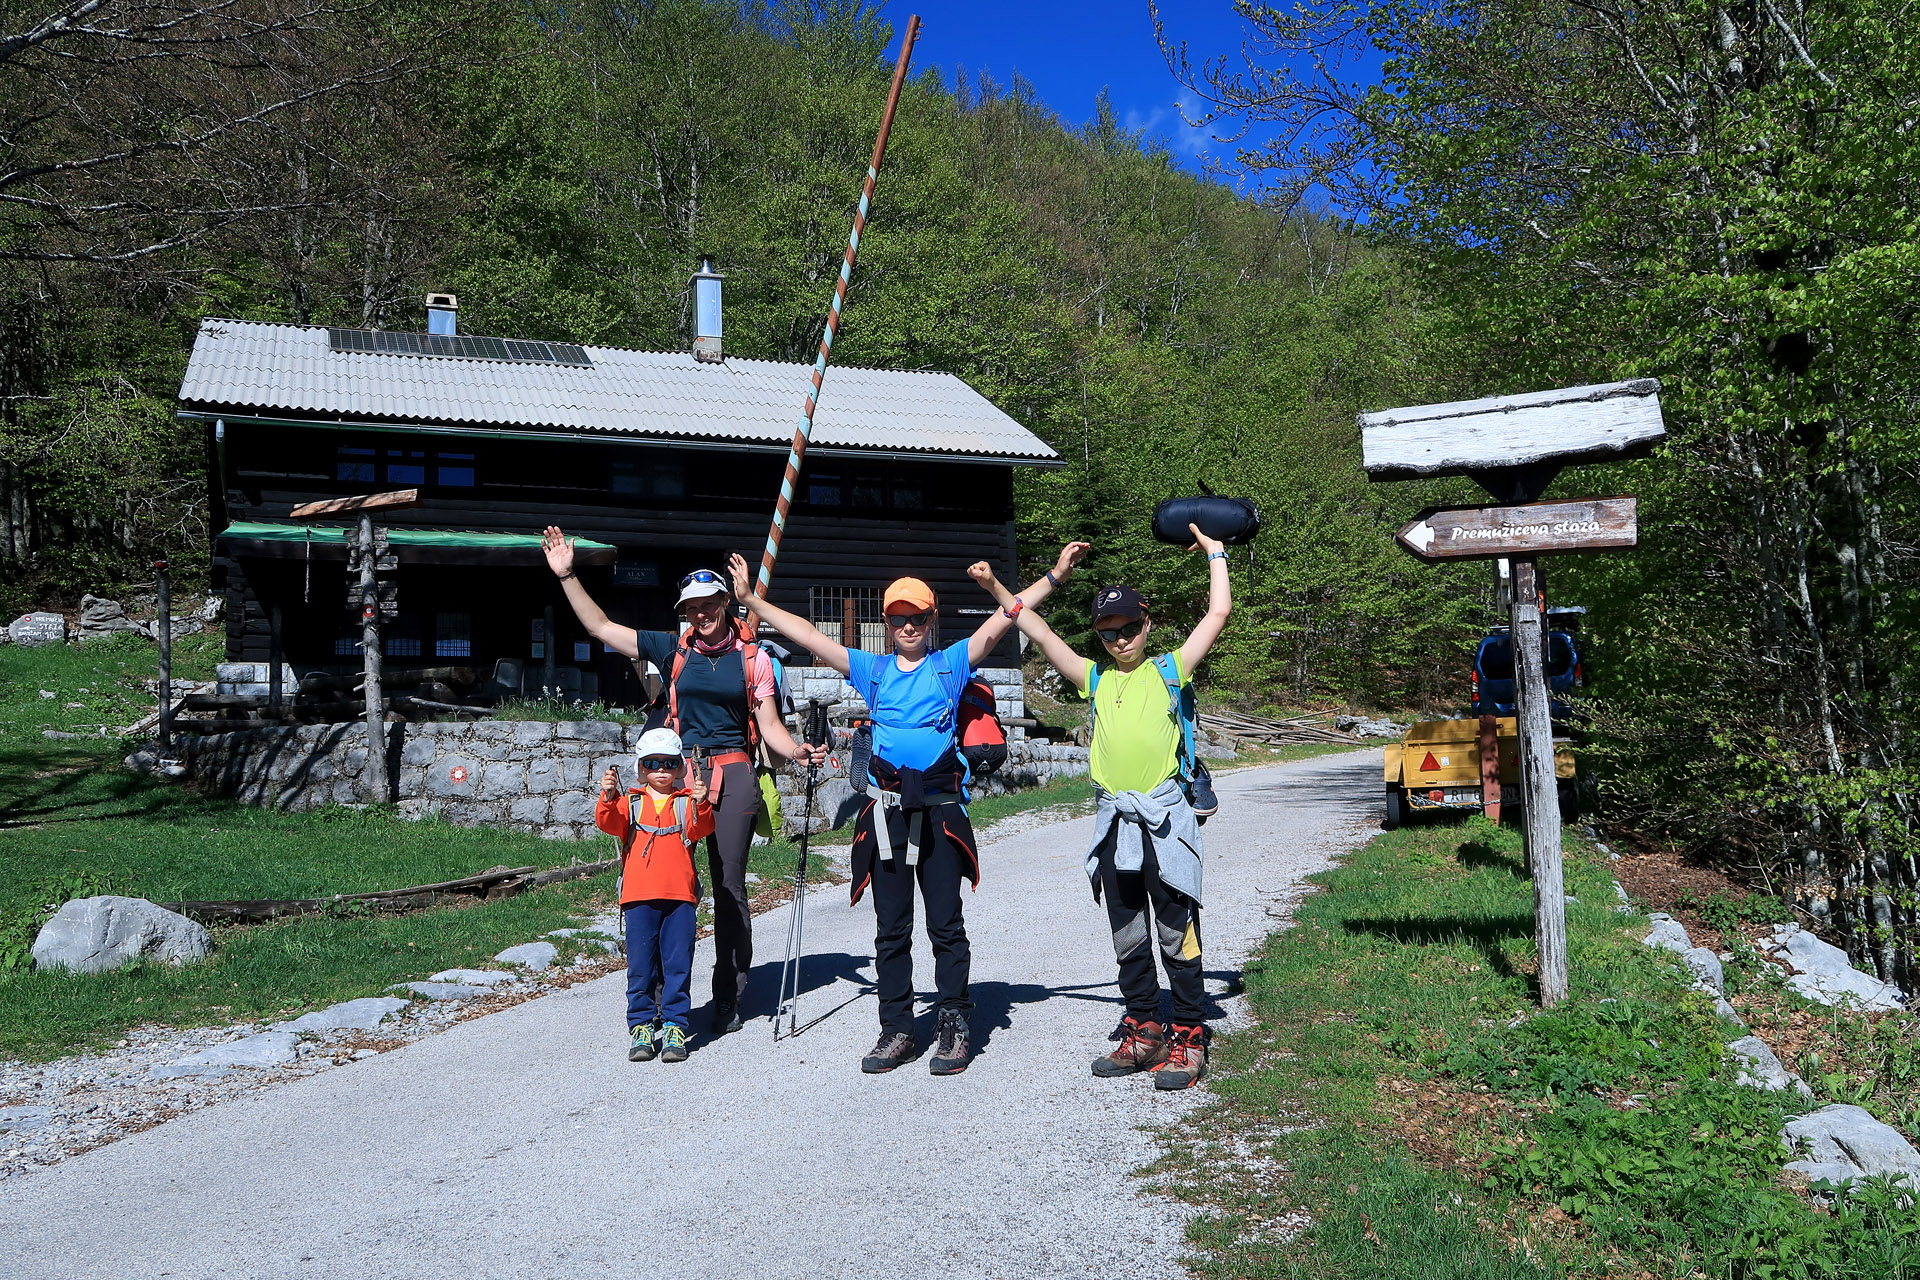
[(462, 346)]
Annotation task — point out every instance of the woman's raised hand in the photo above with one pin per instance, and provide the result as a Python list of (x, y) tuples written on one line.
[(559, 551), (737, 570), (1070, 557)]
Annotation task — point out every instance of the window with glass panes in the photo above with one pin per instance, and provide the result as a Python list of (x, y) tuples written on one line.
[(850, 615)]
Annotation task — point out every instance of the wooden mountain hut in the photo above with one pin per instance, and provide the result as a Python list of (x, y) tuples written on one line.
[(660, 462)]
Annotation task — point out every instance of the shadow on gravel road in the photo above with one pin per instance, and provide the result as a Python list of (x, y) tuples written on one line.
[(1360, 789), (994, 1002)]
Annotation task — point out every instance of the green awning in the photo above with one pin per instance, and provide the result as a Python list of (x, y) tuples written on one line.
[(412, 546)]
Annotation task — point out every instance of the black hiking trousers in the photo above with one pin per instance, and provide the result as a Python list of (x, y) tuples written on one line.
[(942, 866), (727, 850), (1143, 910)]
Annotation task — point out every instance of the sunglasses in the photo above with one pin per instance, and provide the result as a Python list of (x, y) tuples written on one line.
[(899, 620), (660, 762), (702, 576), (1114, 635)]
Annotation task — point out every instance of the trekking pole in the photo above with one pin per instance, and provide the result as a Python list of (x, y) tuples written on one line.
[(804, 431), (789, 1006)]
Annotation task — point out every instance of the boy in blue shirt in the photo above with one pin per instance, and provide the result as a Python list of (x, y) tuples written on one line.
[(915, 825)]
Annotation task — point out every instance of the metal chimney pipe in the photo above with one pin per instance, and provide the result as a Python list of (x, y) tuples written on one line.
[(441, 308), (706, 310)]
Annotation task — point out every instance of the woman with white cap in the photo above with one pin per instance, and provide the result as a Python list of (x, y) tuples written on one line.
[(915, 824), (721, 701)]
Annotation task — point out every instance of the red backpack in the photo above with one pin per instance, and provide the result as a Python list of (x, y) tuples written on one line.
[(980, 735)]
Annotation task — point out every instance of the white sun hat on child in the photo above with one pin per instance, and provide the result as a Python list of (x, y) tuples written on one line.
[(658, 743)]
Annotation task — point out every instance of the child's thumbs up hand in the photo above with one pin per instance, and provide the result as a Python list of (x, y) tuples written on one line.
[(699, 788), (610, 782)]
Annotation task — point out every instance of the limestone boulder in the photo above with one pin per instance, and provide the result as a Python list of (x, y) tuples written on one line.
[(1822, 973), (93, 935), (1842, 1142), (529, 955), (101, 617), (363, 1014), (1758, 1067), (1668, 934), (266, 1049)]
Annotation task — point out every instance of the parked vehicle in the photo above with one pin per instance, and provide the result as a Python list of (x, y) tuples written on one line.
[(1437, 766), (1493, 690)]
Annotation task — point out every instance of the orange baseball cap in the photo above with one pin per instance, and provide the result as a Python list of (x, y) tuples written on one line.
[(912, 592)]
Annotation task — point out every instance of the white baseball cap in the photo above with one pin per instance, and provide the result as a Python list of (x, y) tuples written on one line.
[(700, 584), (656, 743)]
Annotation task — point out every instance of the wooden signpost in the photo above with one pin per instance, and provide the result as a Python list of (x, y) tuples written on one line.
[(1513, 447), (371, 600)]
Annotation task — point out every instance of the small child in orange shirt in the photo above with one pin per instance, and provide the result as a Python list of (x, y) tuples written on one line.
[(657, 826)]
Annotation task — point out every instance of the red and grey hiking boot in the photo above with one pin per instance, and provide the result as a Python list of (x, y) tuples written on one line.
[(952, 1049), (889, 1051), (1186, 1058), (1143, 1046)]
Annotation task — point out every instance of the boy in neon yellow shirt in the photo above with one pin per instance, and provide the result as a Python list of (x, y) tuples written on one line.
[(1145, 857)]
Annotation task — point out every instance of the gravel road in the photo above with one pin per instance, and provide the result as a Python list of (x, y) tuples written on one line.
[(524, 1144)]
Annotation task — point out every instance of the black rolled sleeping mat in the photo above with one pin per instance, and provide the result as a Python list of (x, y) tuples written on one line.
[(1231, 520)]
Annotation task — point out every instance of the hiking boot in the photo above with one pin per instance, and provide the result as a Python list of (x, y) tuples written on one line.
[(1186, 1058), (726, 1018), (645, 1046), (952, 1049), (675, 1048), (889, 1051), (1143, 1046)]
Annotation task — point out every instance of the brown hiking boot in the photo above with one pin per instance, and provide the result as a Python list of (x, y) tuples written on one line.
[(953, 1049), (1143, 1046), (1186, 1058), (892, 1049)]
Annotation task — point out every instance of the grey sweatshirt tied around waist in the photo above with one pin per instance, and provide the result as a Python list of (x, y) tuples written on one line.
[(1165, 817)]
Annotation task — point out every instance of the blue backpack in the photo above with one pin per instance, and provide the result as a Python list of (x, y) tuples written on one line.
[(1195, 779)]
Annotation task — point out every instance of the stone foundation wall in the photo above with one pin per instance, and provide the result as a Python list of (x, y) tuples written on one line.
[(525, 774)]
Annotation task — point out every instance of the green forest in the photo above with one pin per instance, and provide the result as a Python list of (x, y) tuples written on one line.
[(1529, 195)]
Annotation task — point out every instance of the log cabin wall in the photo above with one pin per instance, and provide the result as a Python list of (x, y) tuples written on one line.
[(858, 522)]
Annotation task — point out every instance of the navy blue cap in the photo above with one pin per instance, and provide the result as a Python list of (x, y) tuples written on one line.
[(1118, 602)]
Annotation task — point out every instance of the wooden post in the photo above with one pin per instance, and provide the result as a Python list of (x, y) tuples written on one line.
[(163, 631), (849, 626), (1490, 767), (547, 678), (1538, 790), (376, 704), (276, 652)]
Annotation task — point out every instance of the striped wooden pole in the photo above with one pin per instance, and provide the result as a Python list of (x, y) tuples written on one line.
[(804, 431)]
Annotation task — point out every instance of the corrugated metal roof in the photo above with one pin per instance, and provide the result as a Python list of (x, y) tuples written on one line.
[(244, 367)]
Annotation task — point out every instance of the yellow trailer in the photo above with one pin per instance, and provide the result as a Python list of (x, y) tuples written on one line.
[(1438, 765)]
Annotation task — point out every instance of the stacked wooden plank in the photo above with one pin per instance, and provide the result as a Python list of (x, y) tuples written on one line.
[(1244, 727)]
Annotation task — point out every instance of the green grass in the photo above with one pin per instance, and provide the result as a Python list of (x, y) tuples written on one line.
[(104, 677), (1384, 1094)]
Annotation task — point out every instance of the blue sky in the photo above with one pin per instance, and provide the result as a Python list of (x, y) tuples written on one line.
[(1071, 49)]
